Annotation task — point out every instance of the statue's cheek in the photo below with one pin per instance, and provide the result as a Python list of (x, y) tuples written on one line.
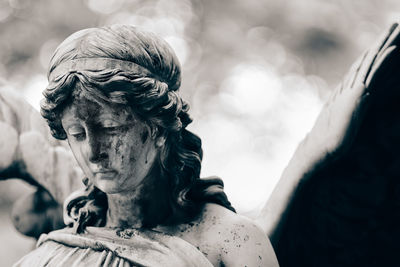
[(121, 150), (119, 147)]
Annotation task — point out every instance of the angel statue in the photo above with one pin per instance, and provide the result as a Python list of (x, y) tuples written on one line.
[(113, 95)]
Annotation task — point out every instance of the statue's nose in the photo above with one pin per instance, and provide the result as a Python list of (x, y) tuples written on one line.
[(96, 151)]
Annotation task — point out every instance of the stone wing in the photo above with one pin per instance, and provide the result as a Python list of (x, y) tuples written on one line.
[(29, 152), (338, 201)]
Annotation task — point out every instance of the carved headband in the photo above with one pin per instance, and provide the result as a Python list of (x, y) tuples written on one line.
[(97, 65)]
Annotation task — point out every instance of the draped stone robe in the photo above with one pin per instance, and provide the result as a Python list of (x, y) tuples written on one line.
[(99, 246)]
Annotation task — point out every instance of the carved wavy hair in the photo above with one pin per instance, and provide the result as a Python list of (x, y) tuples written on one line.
[(152, 95)]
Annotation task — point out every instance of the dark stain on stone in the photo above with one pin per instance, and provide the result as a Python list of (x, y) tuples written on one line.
[(246, 238), (144, 135), (118, 145)]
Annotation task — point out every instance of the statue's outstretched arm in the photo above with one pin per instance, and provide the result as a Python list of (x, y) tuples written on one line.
[(337, 202)]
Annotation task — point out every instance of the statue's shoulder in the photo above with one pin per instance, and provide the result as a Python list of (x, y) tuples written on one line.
[(228, 238)]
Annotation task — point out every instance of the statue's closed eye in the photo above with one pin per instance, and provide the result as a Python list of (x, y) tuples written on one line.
[(110, 124), (78, 132)]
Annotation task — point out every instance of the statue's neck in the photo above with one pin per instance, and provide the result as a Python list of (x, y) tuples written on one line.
[(145, 207)]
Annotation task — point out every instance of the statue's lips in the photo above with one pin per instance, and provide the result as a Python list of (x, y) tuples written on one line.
[(105, 174)]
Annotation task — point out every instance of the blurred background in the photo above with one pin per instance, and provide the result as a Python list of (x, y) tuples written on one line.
[(256, 74)]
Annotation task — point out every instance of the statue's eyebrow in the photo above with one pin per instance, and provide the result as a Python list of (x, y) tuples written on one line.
[(116, 118), (70, 119), (106, 116)]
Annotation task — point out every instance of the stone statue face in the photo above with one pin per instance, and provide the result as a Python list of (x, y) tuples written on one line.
[(114, 148)]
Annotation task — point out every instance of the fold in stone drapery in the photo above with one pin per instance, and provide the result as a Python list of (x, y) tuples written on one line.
[(109, 247)]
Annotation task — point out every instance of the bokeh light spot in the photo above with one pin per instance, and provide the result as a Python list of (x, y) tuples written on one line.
[(252, 89)]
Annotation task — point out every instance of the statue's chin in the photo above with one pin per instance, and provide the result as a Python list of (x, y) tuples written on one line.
[(113, 185), (108, 186)]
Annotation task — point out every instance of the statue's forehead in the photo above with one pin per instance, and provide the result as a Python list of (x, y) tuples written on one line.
[(91, 110)]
